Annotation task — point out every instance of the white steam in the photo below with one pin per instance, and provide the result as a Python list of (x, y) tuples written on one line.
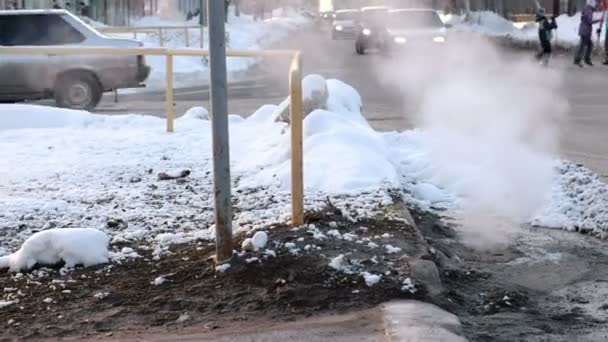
[(492, 121)]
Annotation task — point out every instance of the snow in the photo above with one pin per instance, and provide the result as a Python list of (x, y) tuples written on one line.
[(259, 240), (222, 268), (63, 168), (340, 264), (371, 279), (159, 281), (490, 24), (243, 34), (391, 249), (74, 246), (5, 303)]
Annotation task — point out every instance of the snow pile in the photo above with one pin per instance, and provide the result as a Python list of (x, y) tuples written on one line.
[(74, 246), (74, 169), (579, 201), (490, 24), (243, 33)]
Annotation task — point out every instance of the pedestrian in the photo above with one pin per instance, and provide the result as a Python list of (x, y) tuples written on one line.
[(605, 38), (545, 35), (585, 31), (84, 10), (56, 5)]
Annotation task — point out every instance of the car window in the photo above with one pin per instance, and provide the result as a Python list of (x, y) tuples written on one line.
[(347, 15), (374, 16), (415, 19), (37, 29)]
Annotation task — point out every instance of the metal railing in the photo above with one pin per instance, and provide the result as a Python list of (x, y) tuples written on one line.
[(159, 30), (295, 85)]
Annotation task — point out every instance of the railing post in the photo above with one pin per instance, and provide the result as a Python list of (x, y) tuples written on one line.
[(169, 93), (135, 33), (160, 37), (187, 34), (297, 172)]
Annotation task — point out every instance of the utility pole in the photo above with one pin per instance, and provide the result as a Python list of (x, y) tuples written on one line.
[(219, 123)]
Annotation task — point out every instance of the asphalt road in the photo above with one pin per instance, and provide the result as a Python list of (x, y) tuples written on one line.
[(386, 107)]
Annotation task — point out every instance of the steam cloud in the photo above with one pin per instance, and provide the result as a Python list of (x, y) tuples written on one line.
[(492, 123)]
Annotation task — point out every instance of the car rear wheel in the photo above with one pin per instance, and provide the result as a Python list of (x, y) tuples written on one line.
[(78, 90), (360, 48)]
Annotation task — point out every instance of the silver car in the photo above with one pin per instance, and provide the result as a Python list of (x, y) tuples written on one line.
[(76, 82)]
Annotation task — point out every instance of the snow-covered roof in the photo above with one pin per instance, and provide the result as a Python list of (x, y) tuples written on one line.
[(37, 11)]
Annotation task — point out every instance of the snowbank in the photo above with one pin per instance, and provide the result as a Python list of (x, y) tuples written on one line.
[(74, 246), (493, 25), (62, 168), (243, 34)]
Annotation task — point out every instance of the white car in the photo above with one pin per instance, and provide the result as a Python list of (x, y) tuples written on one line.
[(345, 24)]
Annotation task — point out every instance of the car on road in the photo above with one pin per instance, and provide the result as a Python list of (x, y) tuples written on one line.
[(345, 24), (402, 29), (76, 82), (371, 21)]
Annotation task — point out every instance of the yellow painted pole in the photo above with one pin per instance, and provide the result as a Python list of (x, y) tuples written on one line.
[(160, 37), (187, 34), (169, 93), (297, 172)]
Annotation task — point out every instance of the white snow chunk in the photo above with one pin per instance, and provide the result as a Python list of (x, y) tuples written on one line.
[(250, 260), (386, 235), (408, 286), (159, 281), (392, 250), (270, 252), (182, 318), (341, 264), (259, 240), (75, 246), (222, 268), (101, 295), (349, 237), (5, 303), (371, 279), (196, 113), (66, 291), (247, 245), (372, 245), (48, 300), (290, 245), (312, 84), (334, 233)]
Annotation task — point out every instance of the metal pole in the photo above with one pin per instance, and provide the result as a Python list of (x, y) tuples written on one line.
[(297, 173), (219, 124)]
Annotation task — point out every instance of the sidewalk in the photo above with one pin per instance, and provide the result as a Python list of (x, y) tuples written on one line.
[(410, 321)]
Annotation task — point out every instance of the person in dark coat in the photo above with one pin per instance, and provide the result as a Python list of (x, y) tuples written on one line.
[(85, 11), (585, 31), (56, 5), (545, 35)]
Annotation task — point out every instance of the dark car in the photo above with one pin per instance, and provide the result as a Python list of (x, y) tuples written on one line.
[(370, 28), (404, 29), (345, 24)]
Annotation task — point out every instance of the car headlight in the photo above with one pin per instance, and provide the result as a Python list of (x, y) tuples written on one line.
[(439, 39), (367, 32), (339, 28), (400, 40)]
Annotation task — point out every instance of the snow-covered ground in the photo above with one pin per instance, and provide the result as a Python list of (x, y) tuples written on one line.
[(62, 168), (243, 34), (491, 24)]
